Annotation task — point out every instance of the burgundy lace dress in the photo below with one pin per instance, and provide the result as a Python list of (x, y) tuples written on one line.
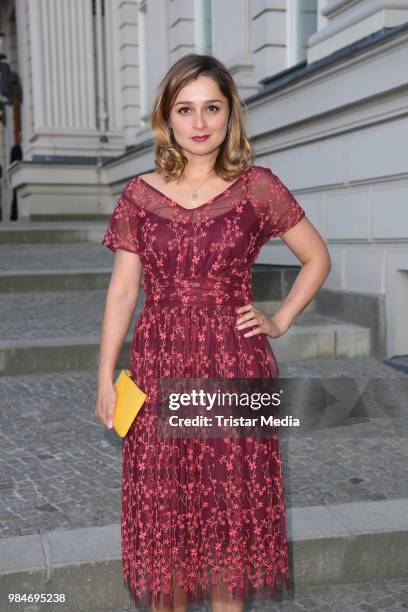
[(199, 512)]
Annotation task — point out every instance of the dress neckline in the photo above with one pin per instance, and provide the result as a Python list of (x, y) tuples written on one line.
[(204, 203)]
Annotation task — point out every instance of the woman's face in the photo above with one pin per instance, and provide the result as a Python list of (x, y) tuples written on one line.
[(200, 109)]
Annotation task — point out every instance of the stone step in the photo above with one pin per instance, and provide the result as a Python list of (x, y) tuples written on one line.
[(57, 354), (28, 258), (53, 331), (54, 267), (316, 336), (25, 281), (51, 232), (328, 544), (269, 307)]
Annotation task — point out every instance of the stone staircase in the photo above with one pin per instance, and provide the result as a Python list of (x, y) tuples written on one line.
[(53, 280)]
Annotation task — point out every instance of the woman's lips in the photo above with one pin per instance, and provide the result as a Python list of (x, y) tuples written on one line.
[(200, 138)]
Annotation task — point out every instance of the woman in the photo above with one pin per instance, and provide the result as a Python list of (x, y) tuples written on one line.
[(201, 517)]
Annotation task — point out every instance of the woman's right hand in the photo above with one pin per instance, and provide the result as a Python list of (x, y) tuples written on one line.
[(105, 403)]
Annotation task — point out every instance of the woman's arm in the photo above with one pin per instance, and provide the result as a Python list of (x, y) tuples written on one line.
[(121, 299), (311, 250)]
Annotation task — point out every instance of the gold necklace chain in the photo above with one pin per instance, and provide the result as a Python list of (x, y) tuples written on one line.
[(194, 199)]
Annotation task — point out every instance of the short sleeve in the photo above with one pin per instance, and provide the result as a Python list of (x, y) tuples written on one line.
[(283, 211), (121, 232)]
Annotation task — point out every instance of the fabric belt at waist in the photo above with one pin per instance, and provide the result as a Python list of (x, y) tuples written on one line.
[(199, 291)]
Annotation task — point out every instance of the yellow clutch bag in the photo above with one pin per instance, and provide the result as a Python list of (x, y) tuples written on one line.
[(129, 400)]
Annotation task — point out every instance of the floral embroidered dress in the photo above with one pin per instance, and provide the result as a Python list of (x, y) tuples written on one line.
[(196, 511)]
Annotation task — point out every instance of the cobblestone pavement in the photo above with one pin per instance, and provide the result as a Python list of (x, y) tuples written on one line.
[(378, 596), (61, 469)]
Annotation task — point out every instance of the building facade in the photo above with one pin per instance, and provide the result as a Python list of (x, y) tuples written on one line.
[(325, 83)]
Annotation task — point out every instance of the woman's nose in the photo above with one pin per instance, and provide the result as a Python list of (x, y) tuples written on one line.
[(199, 123)]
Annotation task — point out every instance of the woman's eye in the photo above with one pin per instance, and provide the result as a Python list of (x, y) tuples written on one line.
[(187, 108)]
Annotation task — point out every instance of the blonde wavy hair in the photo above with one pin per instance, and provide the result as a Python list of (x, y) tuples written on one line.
[(235, 154)]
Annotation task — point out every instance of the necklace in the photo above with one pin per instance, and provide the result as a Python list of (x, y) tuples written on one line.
[(194, 199)]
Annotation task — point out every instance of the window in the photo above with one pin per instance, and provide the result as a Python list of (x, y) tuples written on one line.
[(142, 52), (301, 23), (101, 77), (203, 26)]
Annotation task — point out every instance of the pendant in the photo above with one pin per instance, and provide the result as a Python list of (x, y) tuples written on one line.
[(195, 196)]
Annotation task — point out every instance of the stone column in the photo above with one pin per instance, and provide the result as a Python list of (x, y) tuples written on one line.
[(73, 79)]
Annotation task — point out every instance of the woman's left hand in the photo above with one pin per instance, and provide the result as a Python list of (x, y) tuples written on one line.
[(249, 316)]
